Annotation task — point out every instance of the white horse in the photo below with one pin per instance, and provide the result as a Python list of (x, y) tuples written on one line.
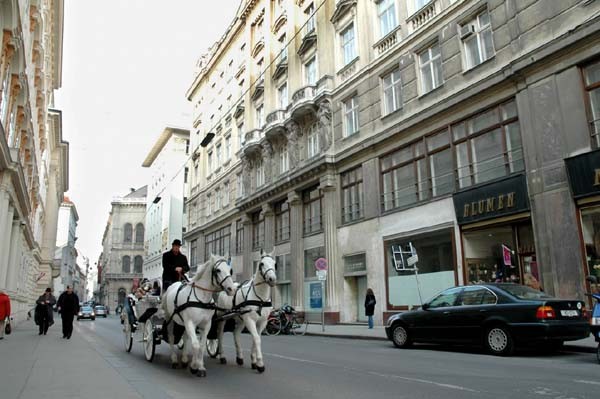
[(253, 302), (191, 305)]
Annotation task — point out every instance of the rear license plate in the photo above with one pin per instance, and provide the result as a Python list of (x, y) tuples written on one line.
[(569, 313)]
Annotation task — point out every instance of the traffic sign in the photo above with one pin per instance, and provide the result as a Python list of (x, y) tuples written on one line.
[(322, 275), (321, 264)]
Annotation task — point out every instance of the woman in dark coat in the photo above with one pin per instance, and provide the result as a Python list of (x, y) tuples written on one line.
[(370, 306), (44, 314)]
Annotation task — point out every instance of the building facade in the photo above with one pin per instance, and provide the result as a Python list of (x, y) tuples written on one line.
[(33, 156), (65, 256), (165, 199), (365, 132), (122, 259)]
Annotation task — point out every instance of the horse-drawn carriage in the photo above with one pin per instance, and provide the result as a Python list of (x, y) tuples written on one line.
[(186, 312)]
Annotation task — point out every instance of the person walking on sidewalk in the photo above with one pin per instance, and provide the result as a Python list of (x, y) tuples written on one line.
[(68, 306), (44, 315), (4, 312), (370, 306)]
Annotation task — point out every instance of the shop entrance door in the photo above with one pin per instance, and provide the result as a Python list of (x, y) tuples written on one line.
[(361, 284)]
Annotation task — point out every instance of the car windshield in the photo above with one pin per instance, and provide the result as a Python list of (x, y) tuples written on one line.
[(99, 307), (86, 309), (524, 292)]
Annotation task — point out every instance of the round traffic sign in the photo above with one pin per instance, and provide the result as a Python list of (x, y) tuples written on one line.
[(321, 264)]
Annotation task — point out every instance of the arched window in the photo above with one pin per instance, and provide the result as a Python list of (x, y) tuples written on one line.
[(126, 264), (127, 233), (139, 233), (137, 264)]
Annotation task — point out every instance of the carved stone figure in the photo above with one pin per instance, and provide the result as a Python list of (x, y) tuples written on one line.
[(246, 175), (324, 121), (293, 139), (267, 157)]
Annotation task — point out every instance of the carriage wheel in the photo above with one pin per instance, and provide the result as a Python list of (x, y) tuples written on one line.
[(149, 341), (212, 347), (128, 336)]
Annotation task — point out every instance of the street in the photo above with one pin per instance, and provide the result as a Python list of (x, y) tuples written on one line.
[(301, 367)]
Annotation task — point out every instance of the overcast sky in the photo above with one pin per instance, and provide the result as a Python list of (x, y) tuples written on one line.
[(126, 67)]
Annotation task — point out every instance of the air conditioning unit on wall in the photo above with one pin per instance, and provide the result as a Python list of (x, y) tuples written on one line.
[(466, 31)]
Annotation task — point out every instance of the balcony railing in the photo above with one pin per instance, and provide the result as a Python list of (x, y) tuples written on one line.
[(252, 141), (388, 41), (423, 15), (306, 93)]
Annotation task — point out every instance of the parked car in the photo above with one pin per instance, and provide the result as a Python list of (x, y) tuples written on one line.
[(100, 310), (499, 316), (86, 312)]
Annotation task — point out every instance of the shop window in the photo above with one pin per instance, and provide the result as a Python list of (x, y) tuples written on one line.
[(310, 256), (590, 224), (436, 268), (591, 76), (352, 195)]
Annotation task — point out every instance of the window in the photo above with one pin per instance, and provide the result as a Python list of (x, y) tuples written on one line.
[(260, 116), (126, 266), (311, 23), (386, 12), (352, 195), (127, 233), (445, 299), (227, 148), (431, 68), (225, 195), (217, 243), (239, 236), (350, 116), (241, 134), (186, 173), (139, 233), (420, 4), (284, 159), (194, 255), (187, 147), (138, 264), (239, 185), (259, 174), (209, 162), (217, 199), (404, 176), (282, 96), (440, 163), (392, 92), (591, 75), (258, 230), (219, 159), (310, 256), (348, 44), (284, 268), (208, 206), (311, 200), (282, 221), (476, 296), (478, 43), (310, 71), (283, 48), (312, 141)]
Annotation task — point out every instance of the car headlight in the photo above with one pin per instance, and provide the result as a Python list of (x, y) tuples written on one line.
[(93, 314), (80, 314)]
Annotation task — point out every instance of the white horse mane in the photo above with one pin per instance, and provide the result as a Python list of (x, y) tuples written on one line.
[(205, 266)]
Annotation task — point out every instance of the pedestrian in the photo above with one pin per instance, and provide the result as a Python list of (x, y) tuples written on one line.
[(68, 307), (370, 306), (174, 264), (4, 312), (44, 314)]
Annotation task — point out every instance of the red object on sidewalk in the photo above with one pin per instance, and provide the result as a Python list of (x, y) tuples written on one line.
[(4, 306)]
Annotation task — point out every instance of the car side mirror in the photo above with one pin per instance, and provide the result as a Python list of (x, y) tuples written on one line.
[(425, 306)]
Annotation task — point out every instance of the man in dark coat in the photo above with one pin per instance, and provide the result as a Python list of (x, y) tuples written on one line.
[(175, 264), (68, 306), (44, 315)]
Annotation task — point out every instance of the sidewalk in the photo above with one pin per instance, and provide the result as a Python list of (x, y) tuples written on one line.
[(47, 366), (359, 331)]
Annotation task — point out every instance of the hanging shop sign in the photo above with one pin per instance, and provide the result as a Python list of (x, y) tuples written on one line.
[(584, 174), (496, 199)]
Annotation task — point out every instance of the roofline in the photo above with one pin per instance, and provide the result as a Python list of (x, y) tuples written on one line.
[(162, 140), (61, 145), (59, 16)]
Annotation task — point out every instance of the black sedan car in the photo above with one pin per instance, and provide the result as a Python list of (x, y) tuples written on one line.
[(499, 316)]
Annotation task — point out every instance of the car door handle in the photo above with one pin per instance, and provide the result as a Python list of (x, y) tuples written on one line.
[(483, 310), (447, 312)]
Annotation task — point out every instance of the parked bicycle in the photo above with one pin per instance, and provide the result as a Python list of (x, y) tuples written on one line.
[(285, 320)]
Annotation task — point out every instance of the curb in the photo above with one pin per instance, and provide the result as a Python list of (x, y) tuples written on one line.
[(566, 348)]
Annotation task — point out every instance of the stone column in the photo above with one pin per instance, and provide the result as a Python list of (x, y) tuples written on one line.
[(296, 250), (14, 256), (269, 227), (330, 211), (247, 252), (3, 234), (6, 233)]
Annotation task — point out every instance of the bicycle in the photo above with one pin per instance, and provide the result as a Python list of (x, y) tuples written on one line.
[(285, 320)]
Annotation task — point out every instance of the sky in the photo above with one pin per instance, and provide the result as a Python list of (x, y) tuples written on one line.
[(127, 65)]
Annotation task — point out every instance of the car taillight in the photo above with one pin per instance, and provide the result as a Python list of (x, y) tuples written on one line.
[(545, 312)]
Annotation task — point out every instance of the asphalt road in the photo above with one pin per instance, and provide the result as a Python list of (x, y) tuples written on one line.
[(317, 367)]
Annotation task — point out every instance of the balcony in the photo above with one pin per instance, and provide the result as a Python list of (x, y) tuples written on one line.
[(275, 123), (252, 141), (388, 42), (423, 16), (303, 101)]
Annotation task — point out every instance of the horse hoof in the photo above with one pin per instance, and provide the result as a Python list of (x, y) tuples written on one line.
[(253, 366), (202, 373), (261, 369), (239, 361), (223, 360), (194, 371), (173, 365)]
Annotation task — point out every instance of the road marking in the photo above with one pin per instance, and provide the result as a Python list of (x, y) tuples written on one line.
[(299, 360), (587, 382), (439, 384)]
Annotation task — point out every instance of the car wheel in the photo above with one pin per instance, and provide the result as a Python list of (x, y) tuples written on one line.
[(93, 318), (498, 341), (555, 345), (400, 336), (78, 319)]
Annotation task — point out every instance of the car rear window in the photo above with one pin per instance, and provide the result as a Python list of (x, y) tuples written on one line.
[(524, 292)]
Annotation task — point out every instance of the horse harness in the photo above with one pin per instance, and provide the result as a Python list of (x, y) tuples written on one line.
[(260, 303)]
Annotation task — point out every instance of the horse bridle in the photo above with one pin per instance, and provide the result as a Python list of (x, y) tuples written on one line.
[(260, 267), (215, 273)]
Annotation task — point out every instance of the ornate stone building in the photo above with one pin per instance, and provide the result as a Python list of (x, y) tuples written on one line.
[(33, 156), (356, 131), (122, 260)]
